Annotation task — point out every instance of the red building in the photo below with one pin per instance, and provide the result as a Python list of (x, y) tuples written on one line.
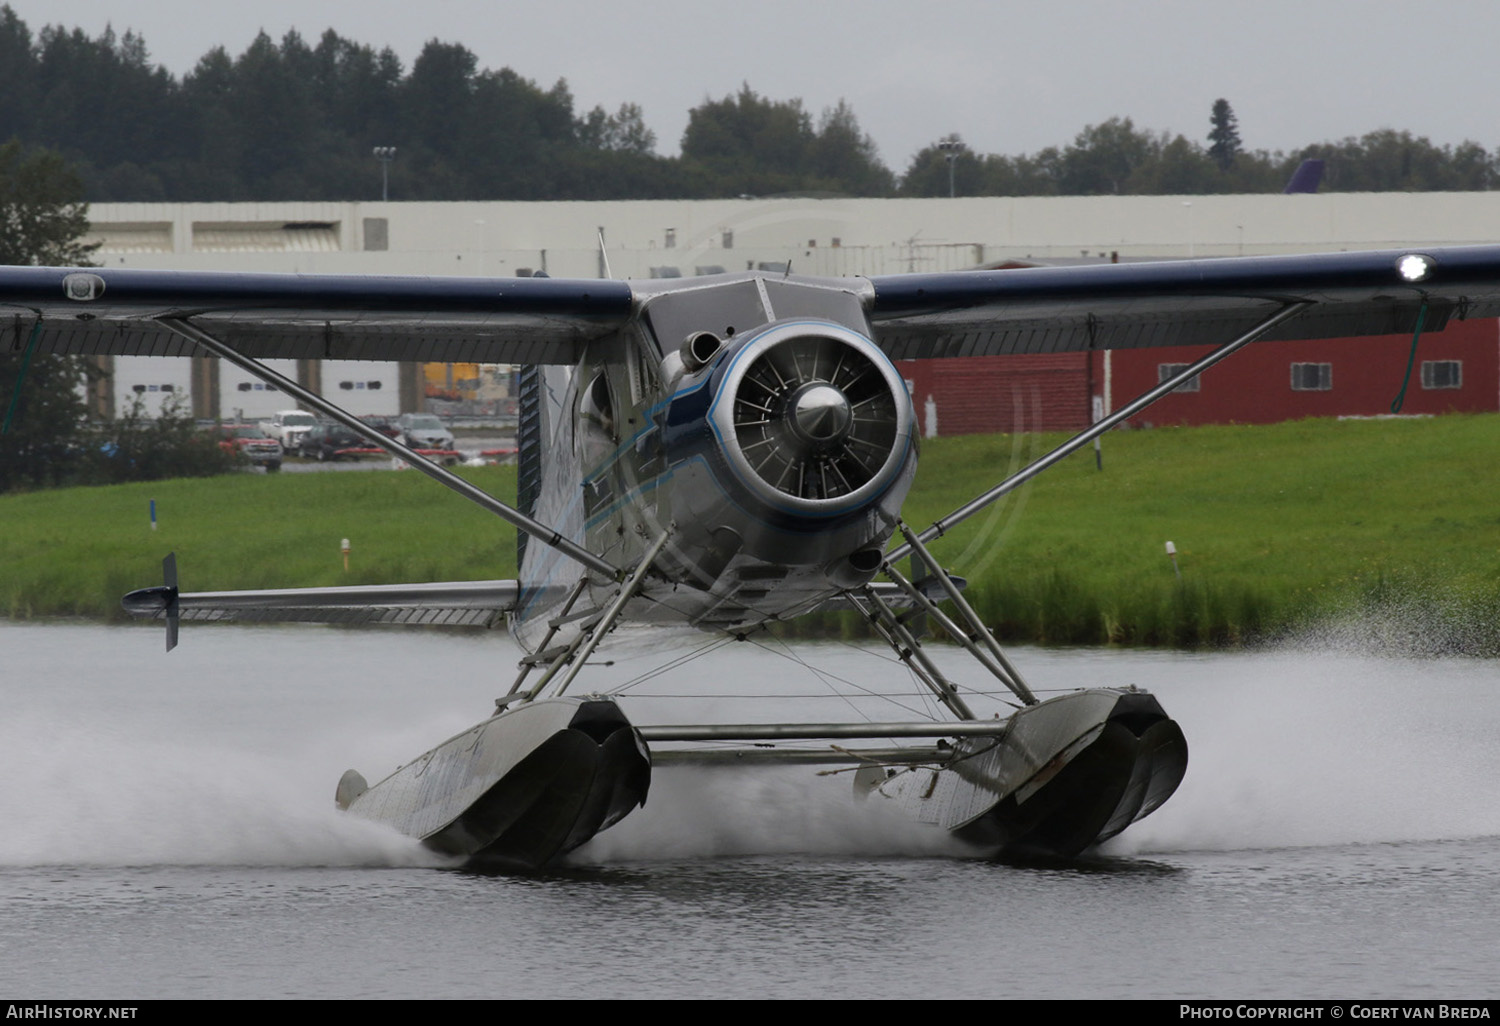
[(1456, 370)]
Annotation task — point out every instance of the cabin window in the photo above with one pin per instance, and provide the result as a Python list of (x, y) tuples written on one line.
[(1442, 374), (1167, 371), (1312, 377)]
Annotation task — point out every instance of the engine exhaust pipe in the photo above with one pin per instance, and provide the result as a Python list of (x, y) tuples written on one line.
[(856, 569)]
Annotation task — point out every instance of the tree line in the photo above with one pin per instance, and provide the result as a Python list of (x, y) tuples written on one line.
[(297, 120)]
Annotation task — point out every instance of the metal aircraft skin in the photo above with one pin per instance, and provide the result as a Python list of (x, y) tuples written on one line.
[(774, 452), (724, 452)]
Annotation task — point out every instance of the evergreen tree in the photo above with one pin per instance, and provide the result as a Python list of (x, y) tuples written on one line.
[(1224, 138), (290, 121)]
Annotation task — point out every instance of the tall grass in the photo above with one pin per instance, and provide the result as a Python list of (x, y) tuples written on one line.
[(76, 551), (1275, 527)]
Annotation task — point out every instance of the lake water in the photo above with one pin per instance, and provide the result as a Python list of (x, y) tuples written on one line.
[(167, 830)]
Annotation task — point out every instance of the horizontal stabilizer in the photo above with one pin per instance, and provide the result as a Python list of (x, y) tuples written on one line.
[(458, 604)]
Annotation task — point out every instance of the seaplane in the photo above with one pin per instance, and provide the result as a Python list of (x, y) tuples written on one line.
[(729, 453)]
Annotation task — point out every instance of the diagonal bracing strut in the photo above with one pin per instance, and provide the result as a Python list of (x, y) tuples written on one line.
[(909, 650), (583, 646), (997, 664)]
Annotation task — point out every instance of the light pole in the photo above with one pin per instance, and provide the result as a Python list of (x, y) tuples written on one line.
[(951, 149), (385, 154)]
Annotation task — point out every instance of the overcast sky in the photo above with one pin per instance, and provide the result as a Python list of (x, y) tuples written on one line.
[(1010, 77)]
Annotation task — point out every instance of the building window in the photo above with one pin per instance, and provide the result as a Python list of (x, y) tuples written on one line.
[(1442, 374), (1167, 371), (1312, 377)]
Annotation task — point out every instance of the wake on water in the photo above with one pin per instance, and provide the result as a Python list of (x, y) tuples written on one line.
[(229, 755)]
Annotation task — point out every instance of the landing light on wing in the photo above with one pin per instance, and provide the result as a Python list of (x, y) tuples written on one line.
[(1414, 267)]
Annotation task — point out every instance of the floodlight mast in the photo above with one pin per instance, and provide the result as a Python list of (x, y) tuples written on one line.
[(385, 154), (951, 149)]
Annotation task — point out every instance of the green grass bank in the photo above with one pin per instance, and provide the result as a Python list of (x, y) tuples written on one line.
[(1275, 526)]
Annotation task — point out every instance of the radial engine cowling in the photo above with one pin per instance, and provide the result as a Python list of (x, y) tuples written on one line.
[(813, 430), (813, 418)]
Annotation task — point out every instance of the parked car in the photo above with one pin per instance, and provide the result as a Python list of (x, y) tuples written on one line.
[(329, 441), (424, 431), (385, 425), (288, 427), (252, 443)]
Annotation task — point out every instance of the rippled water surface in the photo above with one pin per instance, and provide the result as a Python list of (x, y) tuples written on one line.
[(168, 831)]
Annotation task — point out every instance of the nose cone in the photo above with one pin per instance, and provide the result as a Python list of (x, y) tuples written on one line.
[(821, 413)]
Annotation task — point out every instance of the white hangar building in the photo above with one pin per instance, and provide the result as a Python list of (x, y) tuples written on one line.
[(664, 238)]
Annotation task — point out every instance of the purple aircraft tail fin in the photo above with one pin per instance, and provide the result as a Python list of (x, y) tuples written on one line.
[(1306, 178)]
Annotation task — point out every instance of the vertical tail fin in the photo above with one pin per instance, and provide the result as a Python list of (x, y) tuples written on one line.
[(1306, 178)]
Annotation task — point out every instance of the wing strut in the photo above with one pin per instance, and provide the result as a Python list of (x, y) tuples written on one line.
[(994, 660), (579, 650), (541, 532), (543, 653), (909, 649), (1078, 441)]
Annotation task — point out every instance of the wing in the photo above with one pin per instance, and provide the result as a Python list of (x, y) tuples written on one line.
[(322, 317), (460, 604), (544, 320), (1184, 302)]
